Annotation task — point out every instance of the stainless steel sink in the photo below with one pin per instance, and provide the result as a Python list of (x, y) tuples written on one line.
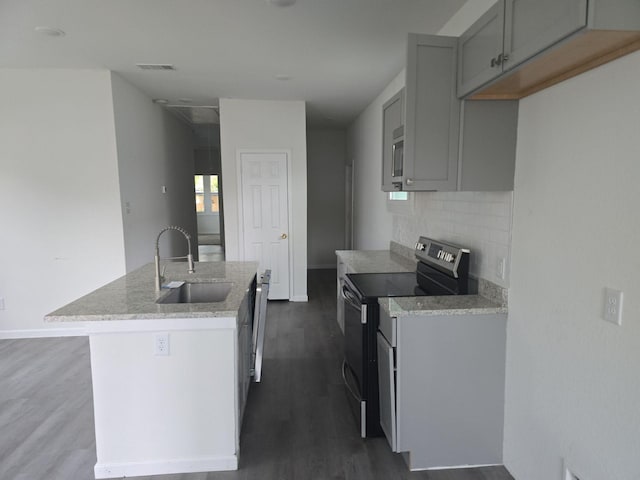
[(200, 292)]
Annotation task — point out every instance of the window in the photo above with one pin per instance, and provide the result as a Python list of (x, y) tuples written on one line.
[(398, 195), (206, 192), (400, 203)]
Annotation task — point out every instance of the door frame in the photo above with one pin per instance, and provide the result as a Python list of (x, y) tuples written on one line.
[(287, 152)]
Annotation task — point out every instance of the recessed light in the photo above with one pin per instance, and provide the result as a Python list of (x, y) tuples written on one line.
[(50, 31), (281, 3), (283, 77), (160, 101)]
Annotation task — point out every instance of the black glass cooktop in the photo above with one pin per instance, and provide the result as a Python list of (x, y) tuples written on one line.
[(375, 285)]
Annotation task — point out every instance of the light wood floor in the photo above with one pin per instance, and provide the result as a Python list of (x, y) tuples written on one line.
[(297, 424)]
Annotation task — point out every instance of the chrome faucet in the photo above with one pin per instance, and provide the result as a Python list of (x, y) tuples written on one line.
[(189, 257)]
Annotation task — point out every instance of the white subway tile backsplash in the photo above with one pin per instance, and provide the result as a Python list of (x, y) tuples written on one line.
[(478, 220)]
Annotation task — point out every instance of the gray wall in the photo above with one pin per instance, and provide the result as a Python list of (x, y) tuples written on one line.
[(326, 159), (154, 150)]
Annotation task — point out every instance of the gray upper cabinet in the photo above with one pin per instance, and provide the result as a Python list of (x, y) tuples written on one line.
[(392, 118), (533, 25), (432, 114), (488, 145), (479, 49), (520, 47), (511, 32)]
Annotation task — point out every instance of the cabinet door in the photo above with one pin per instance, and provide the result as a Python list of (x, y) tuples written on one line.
[(341, 272), (432, 114), (243, 355), (392, 118), (530, 26), (488, 146), (387, 391), (480, 46)]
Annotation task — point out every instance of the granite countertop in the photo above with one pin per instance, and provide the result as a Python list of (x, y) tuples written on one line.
[(441, 305), (133, 296), (375, 261), (400, 259)]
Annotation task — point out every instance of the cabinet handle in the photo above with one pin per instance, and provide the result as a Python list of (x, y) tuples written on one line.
[(499, 60), (283, 236), (409, 181), (393, 156)]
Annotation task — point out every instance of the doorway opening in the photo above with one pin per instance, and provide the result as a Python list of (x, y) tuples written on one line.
[(208, 193), (207, 201)]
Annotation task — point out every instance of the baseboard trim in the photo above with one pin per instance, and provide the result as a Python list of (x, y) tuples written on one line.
[(138, 469), (299, 298), (42, 333)]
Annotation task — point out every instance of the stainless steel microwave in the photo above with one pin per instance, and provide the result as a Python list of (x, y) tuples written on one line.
[(397, 155)]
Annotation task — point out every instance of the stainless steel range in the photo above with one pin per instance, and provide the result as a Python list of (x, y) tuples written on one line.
[(442, 269)]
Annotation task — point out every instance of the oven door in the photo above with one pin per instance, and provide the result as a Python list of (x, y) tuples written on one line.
[(353, 367)]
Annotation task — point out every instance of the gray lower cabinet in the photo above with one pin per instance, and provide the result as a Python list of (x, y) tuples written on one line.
[(244, 353), (432, 114), (441, 380), (392, 119), (488, 135)]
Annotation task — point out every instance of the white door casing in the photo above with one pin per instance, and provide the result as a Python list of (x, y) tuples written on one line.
[(264, 227)]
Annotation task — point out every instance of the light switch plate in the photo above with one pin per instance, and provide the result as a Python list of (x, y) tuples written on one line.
[(1, 303), (612, 306)]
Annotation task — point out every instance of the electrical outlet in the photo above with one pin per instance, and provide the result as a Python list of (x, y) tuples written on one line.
[(161, 344), (613, 306)]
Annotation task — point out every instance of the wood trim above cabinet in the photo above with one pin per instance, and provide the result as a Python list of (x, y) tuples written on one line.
[(576, 55)]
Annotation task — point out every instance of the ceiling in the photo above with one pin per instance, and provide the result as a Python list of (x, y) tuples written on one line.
[(337, 55)]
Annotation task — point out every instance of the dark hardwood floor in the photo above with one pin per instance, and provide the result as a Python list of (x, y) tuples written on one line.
[(297, 424)]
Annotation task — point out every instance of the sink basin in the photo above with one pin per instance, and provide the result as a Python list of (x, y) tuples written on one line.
[(201, 292)]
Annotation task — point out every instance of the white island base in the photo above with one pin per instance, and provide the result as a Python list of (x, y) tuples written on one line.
[(179, 413)]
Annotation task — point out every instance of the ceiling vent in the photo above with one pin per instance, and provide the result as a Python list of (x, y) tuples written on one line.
[(196, 114), (155, 66)]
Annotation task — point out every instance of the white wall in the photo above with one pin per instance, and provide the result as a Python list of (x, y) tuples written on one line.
[(372, 223), (269, 125), (480, 221), (326, 160), (572, 379), (62, 233), (154, 150)]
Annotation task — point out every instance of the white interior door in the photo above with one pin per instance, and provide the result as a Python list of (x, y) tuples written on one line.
[(265, 216)]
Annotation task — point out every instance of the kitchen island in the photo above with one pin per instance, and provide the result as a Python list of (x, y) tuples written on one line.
[(169, 380)]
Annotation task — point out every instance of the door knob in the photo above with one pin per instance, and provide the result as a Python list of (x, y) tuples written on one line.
[(283, 236)]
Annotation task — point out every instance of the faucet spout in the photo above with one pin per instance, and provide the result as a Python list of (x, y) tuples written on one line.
[(191, 267)]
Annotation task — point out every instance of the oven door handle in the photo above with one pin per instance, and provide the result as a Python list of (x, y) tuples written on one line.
[(345, 366), (350, 298)]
